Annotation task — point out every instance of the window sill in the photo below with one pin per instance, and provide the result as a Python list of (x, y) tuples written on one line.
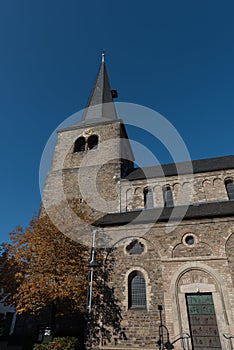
[(138, 309)]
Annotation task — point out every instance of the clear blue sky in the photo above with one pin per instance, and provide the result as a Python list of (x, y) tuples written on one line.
[(176, 57)]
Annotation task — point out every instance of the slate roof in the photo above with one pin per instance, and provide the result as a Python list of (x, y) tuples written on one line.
[(198, 166), (196, 211), (100, 105)]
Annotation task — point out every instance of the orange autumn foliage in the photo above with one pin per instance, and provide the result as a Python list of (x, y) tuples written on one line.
[(42, 266)]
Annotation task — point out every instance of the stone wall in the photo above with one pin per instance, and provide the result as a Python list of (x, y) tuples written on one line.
[(174, 265), (90, 176), (191, 256), (196, 188)]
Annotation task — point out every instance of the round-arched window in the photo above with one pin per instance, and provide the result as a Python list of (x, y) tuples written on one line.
[(79, 145), (92, 142), (136, 291)]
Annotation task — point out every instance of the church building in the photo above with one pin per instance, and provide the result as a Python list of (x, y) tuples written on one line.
[(168, 231)]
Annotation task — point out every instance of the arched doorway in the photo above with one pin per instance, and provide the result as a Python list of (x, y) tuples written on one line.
[(201, 307)]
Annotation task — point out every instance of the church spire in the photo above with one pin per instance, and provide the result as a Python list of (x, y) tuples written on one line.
[(100, 105)]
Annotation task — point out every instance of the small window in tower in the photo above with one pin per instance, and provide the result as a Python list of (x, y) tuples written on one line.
[(167, 196), (92, 142), (79, 145), (136, 291), (230, 189), (135, 248), (148, 198)]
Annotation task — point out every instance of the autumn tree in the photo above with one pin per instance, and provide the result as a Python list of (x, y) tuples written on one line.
[(42, 267)]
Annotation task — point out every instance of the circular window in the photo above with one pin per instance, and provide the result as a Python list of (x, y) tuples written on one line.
[(189, 240)]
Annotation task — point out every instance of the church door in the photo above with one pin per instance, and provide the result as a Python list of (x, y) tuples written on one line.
[(202, 322)]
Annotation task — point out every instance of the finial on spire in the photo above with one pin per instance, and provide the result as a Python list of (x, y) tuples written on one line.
[(103, 55)]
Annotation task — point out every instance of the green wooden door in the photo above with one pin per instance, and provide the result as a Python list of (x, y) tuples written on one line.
[(202, 322)]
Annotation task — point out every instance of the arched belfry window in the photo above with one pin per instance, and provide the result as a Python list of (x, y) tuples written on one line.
[(148, 198), (136, 291), (230, 188), (92, 142), (167, 196), (79, 144)]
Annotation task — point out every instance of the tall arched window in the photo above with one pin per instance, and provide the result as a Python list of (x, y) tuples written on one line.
[(92, 142), (136, 291), (148, 198), (167, 196), (79, 145), (230, 189)]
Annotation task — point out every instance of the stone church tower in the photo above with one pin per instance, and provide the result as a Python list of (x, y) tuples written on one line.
[(183, 265)]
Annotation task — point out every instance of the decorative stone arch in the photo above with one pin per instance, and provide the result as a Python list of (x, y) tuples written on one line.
[(229, 177), (177, 241), (177, 190), (229, 234), (205, 279), (217, 180), (219, 188), (207, 185), (206, 181), (198, 247), (229, 249), (138, 191), (172, 246), (223, 242), (129, 199), (187, 190), (138, 198), (207, 245), (126, 240), (158, 196)]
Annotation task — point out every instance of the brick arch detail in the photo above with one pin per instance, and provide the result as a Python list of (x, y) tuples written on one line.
[(201, 247)]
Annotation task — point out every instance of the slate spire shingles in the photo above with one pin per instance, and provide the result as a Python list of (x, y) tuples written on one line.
[(100, 105)]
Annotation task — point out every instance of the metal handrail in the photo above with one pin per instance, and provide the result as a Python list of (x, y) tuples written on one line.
[(183, 336), (229, 337)]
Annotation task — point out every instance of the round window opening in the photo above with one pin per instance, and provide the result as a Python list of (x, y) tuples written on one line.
[(189, 240)]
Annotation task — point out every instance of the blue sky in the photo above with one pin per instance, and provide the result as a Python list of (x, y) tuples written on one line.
[(175, 57)]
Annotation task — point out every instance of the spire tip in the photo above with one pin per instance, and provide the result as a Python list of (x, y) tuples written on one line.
[(103, 55)]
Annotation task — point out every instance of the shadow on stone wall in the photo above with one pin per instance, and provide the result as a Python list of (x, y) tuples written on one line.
[(103, 323)]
